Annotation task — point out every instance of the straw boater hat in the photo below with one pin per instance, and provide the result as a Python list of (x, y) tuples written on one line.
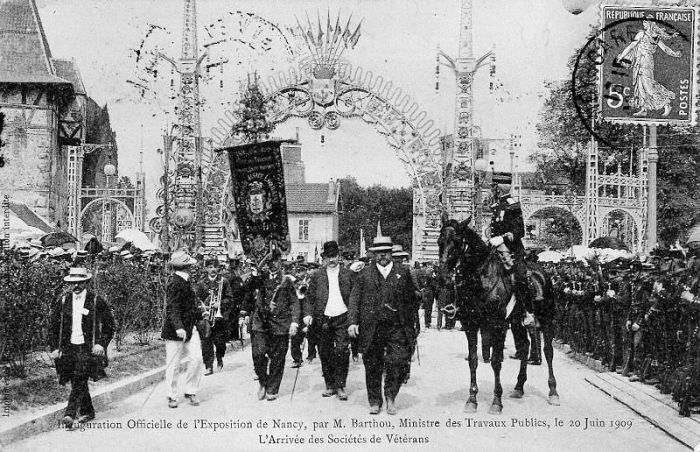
[(397, 251), (57, 252), (77, 274), (381, 242), (181, 259), (126, 254)]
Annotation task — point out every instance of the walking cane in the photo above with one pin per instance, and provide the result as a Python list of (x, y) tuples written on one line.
[(303, 346), (417, 351)]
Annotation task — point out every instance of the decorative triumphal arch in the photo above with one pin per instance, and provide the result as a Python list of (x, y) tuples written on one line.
[(328, 91), (102, 211)]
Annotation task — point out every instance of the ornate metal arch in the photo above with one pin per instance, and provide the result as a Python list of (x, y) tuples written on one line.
[(326, 102), (532, 204), (123, 207), (637, 217)]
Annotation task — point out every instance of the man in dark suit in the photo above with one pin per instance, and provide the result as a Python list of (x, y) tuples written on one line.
[(207, 290), (180, 331), (81, 326), (326, 306), (238, 290), (382, 312), (276, 314)]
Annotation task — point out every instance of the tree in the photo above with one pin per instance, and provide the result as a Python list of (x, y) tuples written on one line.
[(252, 124), (363, 207), (564, 139)]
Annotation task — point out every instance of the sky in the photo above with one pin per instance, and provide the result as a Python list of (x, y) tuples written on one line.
[(399, 40)]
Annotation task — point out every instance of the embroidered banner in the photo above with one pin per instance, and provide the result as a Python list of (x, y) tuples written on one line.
[(257, 183)]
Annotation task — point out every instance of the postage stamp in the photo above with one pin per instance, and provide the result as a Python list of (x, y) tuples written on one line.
[(648, 76), (638, 68)]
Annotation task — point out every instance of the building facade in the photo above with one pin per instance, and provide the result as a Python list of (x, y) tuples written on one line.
[(45, 107)]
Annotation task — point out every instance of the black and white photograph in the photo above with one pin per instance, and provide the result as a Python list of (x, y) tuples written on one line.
[(341, 225)]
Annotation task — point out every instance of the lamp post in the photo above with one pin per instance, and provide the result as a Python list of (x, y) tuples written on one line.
[(110, 171)]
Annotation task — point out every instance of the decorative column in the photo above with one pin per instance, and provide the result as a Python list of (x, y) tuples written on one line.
[(463, 178), (187, 190), (653, 159), (590, 228)]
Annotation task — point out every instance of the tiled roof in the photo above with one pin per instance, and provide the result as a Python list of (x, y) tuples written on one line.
[(30, 218), (25, 56), (67, 70), (310, 198)]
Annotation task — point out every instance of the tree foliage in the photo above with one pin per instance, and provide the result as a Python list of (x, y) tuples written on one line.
[(364, 206), (251, 116)]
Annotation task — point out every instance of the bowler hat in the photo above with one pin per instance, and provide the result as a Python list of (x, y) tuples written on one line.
[(330, 249)]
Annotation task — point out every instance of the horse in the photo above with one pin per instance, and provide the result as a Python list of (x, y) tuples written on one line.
[(484, 290)]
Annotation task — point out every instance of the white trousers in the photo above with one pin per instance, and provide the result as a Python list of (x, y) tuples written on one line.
[(174, 352)]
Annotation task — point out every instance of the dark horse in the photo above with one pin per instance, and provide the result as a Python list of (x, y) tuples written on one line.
[(484, 287)]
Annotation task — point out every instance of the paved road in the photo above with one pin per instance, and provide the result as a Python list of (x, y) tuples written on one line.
[(433, 400)]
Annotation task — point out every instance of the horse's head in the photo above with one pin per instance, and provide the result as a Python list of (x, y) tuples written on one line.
[(449, 243), (459, 241)]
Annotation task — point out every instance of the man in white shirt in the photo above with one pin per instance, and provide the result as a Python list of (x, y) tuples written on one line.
[(82, 326), (326, 306)]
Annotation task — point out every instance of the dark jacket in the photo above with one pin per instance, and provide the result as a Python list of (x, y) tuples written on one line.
[(181, 309), (366, 302), (100, 317), (508, 217), (202, 291), (317, 295), (287, 305)]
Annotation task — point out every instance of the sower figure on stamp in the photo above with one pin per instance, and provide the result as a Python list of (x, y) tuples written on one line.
[(276, 313), (216, 303), (81, 329), (326, 306), (180, 331), (382, 312)]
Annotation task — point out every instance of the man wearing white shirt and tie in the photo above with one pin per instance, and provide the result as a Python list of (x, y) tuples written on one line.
[(81, 326), (326, 305)]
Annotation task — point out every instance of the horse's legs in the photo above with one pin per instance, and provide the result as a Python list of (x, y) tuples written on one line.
[(522, 345), (498, 338), (548, 334), (470, 332)]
